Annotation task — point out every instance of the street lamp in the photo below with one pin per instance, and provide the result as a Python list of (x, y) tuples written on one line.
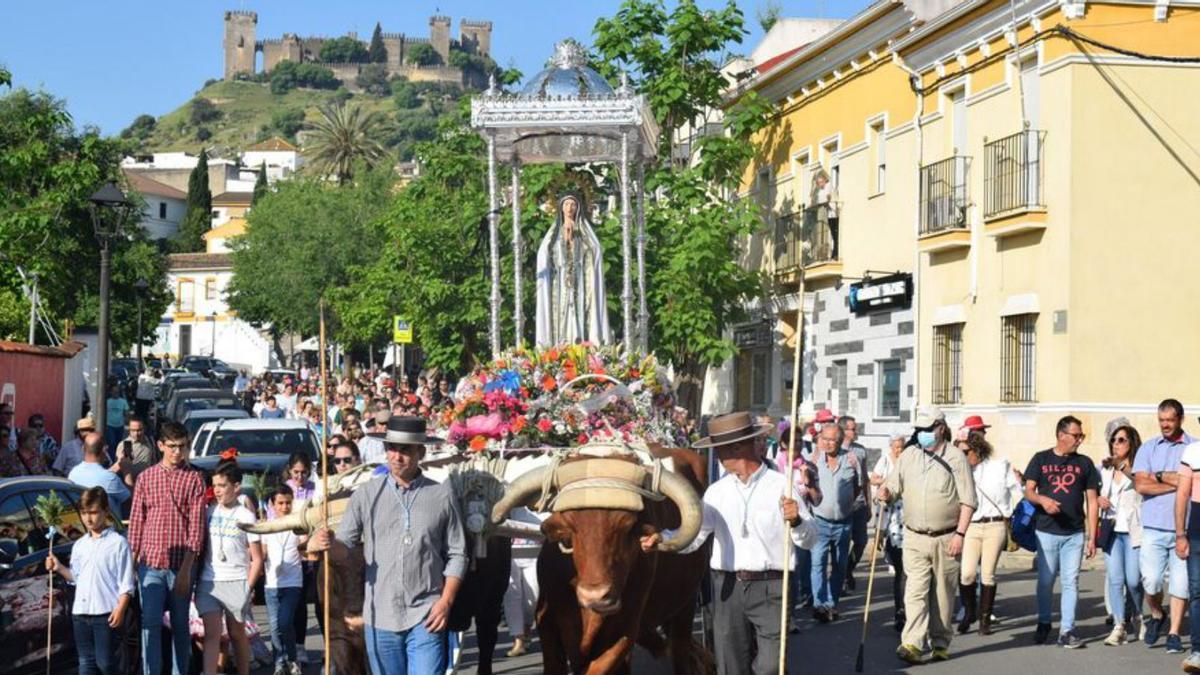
[(212, 349), (109, 207), (140, 287)]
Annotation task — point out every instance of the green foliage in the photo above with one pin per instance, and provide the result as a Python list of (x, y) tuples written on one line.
[(696, 288), (423, 54), (408, 129), (768, 14), (302, 241), (50, 510), (203, 134), (5, 77), (198, 218), (373, 78), (261, 187), (204, 111), (377, 52), (405, 95), (288, 75), (342, 138), (142, 126), (344, 50), (48, 171), (285, 122)]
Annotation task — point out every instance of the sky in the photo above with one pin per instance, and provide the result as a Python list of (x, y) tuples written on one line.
[(115, 59)]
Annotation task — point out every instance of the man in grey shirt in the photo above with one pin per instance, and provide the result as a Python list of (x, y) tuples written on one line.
[(415, 551), (842, 479)]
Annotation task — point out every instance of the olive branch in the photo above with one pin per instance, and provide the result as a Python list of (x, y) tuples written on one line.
[(50, 509)]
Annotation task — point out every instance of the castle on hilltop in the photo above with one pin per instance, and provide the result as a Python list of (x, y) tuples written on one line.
[(242, 48)]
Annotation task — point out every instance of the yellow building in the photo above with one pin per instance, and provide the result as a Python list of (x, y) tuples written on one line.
[(1042, 188)]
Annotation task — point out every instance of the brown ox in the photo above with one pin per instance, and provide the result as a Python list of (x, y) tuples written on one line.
[(600, 593)]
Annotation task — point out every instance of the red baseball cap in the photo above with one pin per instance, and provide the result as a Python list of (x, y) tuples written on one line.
[(824, 416), (975, 422)]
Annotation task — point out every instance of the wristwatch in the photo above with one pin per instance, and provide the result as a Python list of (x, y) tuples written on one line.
[(1158, 476)]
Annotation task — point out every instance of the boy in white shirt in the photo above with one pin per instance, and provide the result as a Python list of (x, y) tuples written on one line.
[(233, 561), (102, 569), (284, 585)]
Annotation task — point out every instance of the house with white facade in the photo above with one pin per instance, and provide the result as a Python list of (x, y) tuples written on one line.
[(281, 158), (165, 206)]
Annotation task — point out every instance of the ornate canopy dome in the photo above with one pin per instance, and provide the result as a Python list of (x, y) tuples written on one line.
[(567, 74)]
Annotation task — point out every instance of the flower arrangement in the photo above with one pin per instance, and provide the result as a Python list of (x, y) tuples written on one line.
[(561, 397)]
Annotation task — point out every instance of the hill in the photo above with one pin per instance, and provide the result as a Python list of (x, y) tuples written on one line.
[(227, 116)]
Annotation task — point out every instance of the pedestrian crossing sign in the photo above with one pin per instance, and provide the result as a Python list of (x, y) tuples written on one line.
[(401, 330)]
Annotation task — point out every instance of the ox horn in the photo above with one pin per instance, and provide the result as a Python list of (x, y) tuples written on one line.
[(691, 511), (519, 493), (306, 521)]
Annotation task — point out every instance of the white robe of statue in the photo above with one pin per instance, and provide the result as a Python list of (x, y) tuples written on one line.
[(571, 304)]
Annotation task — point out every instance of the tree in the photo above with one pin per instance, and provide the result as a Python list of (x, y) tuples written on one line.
[(377, 52), (285, 122), (303, 240), (261, 187), (695, 288), (768, 14), (373, 79), (405, 95), (423, 54), (141, 127), (198, 218), (342, 138), (204, 111), (50, 169), (344, 50), (288, 75)]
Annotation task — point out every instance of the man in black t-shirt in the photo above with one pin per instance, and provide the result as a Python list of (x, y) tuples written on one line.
[(1064, 486)]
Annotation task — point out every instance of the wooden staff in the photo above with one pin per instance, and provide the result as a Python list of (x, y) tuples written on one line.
[(788, 487), (324, 478)]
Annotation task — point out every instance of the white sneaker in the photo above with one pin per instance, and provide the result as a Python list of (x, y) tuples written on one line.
[(1116, 637)]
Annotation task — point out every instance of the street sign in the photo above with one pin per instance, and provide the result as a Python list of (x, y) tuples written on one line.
[(401, 331), (882, 293)]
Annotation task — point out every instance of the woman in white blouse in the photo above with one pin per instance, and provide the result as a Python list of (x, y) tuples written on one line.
[(996, 488), (1123, 505)]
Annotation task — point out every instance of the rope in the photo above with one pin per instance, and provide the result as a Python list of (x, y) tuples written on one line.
[(546, 499)]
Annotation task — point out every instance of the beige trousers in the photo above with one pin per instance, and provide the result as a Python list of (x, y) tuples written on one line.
[(984, 542), (930, 591)]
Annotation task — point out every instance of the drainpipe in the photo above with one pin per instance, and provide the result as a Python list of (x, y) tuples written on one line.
[(914, 81)]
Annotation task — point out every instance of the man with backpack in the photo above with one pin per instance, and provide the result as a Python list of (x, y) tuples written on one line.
[(841, 478)]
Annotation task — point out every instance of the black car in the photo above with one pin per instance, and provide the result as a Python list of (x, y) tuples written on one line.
[(214, 369), (23, 583)]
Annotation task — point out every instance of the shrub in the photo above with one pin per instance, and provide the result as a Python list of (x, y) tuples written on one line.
[(423, 54), (203, 134), (344, 50), (203, 111), (372, 78)]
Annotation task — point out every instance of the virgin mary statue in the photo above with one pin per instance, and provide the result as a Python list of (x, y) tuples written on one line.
[(571, 303)]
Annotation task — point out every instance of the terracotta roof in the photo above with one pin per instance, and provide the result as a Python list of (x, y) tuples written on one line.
[(273, 144), (65, 351), (149, 186), (199, 261), (775, 60), (232, 197)]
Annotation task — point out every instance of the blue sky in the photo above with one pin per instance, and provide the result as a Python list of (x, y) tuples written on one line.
[(115, 59)]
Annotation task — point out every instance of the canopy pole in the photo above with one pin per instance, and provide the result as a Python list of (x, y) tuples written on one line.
[(626, 284), (518, 250), (494, 245), (643, 313)]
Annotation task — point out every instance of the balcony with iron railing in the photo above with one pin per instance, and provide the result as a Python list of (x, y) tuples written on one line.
[(945, 204), (804, 241), (1013, 191)]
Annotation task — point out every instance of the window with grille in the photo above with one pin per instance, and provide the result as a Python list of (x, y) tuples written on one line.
[(1018, 358), (889, 388), (185, 297), (947, 364)]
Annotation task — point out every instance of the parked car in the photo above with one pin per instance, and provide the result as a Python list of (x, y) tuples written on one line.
[(263, 446), (174, 383), (23, 592), (278, 374), (194, 419), (183, 401), (214, 369)]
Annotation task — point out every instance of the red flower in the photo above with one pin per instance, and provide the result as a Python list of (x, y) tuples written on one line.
[(548, 383), (544, 425), (518, 424), (478, 443), (582, 438), (229, 454)]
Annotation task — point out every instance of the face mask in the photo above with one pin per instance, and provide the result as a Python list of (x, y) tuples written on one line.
[(926, 439)]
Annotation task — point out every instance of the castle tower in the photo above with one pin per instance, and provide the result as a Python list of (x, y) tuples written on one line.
[(439, 36), (239, 42), (475, 36)]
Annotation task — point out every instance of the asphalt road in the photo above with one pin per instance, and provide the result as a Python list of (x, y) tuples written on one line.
[(829, 649)]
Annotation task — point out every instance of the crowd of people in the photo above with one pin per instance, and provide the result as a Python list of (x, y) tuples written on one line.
[(942, 497)]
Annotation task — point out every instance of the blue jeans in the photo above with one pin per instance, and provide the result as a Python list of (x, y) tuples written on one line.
[(281, 608), (832, 549), (1123, 571), (415, 651), (1059, 555), (157, 591), (94, 643), (1193, 567)]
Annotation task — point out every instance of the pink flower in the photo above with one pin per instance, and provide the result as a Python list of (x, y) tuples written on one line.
[(490, 426), (544, 425)]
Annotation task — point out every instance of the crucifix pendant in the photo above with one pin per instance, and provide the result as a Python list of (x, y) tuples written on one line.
[(407, 541), (745, 530)]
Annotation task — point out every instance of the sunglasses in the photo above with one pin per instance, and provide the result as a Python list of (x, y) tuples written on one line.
[(343, 460)]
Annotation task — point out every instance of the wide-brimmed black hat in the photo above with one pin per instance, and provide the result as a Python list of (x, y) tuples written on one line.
[(408, 431)]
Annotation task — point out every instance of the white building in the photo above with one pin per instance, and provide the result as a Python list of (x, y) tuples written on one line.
[(165, 206), (282, 158)]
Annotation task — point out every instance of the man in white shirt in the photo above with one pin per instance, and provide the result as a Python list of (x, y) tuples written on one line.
[(71, 452), (748, 516)]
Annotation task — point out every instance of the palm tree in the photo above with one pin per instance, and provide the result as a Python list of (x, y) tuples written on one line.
[(343, 137)]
